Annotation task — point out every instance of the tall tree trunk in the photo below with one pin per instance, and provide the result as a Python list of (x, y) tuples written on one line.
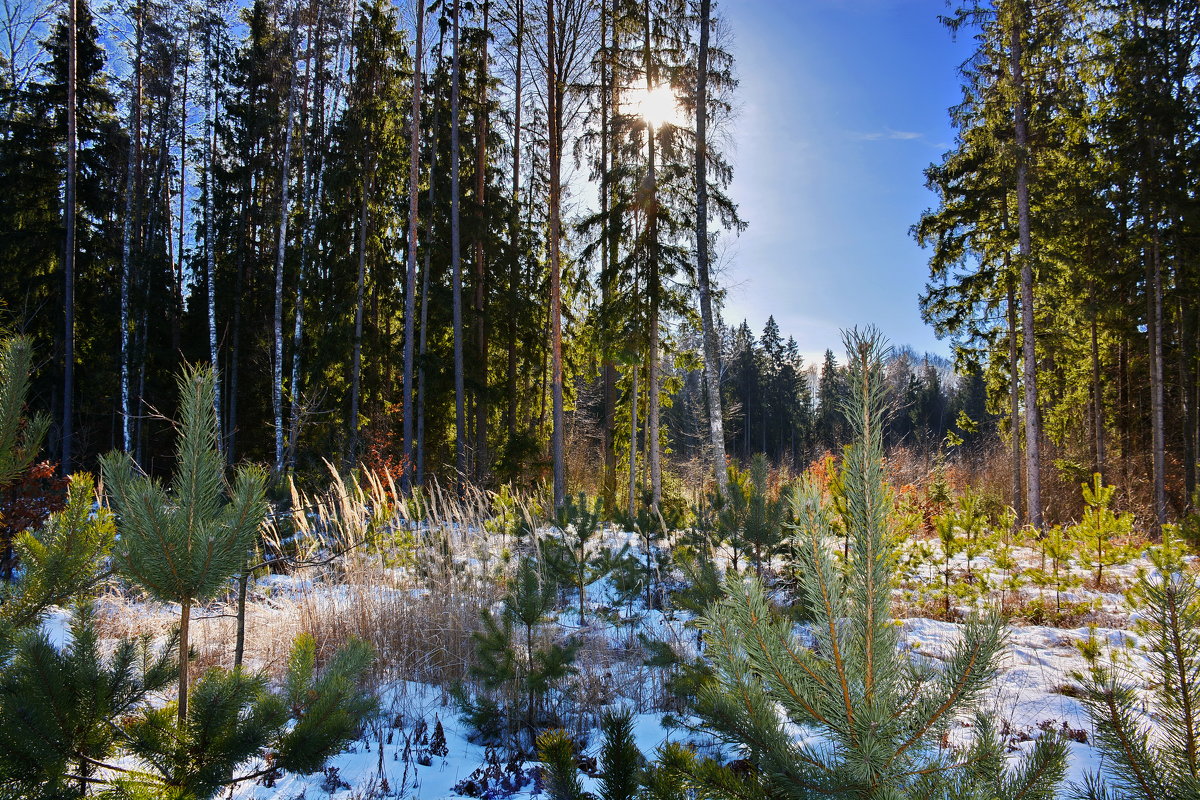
[(312, 183), (712, 350), (1187, 388), (356, 355), (235, 349), (633, 444), (655, 292), (281, 248), (460, 417), (554, 118), (608, 248), (1014, 362), (1155, 334), (134, 155), (68, 418), (177, 312), (1097, 393), (1033, 471), (514, 230), (210, 237), (433, 138), (410, 275), (480, 460)]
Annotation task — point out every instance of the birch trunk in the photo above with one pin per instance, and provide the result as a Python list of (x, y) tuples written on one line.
[(135, 136), (68, 417), (210, 241), (281, 250)]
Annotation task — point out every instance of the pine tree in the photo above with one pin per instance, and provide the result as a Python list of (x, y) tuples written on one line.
[(235, 721), (60, 561), (574, 553), (518, 663), (557, 751), (182, 545), (58, 707), (621, 763), (1100, 527), (851, 685), (1137, 763), (20, 435)]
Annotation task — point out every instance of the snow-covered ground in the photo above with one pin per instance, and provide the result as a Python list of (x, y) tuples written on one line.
[(395, 758)]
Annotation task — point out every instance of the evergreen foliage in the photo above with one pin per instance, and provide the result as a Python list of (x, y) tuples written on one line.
[(20, 436), (620, 763), (574, 554), (235, 722), (879, 715), (59, 708), (557, 752), (1100, 528), (1137, 762), (516, 663), (61, 561), (183, 544), (764, 516), (329, 705)]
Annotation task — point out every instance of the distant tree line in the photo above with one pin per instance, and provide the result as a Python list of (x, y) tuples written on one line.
[(793, 412)]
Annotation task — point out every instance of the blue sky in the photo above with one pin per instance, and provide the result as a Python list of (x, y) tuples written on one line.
[(844, 103)]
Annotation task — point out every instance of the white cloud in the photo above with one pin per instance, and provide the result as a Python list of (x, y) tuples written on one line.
[(886, 133)]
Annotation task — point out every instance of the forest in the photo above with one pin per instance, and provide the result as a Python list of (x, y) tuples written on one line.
[(368, 388)]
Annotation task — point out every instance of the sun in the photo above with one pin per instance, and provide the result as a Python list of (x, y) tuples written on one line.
[(656, 106)]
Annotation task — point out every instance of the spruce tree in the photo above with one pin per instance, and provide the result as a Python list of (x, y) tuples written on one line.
[(763, 530), (183, 544), (879, 716)]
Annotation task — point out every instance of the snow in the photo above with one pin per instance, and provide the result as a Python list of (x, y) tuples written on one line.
[(1027, 699)]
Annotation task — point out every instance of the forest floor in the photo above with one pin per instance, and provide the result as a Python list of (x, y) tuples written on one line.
[(421, 624)]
